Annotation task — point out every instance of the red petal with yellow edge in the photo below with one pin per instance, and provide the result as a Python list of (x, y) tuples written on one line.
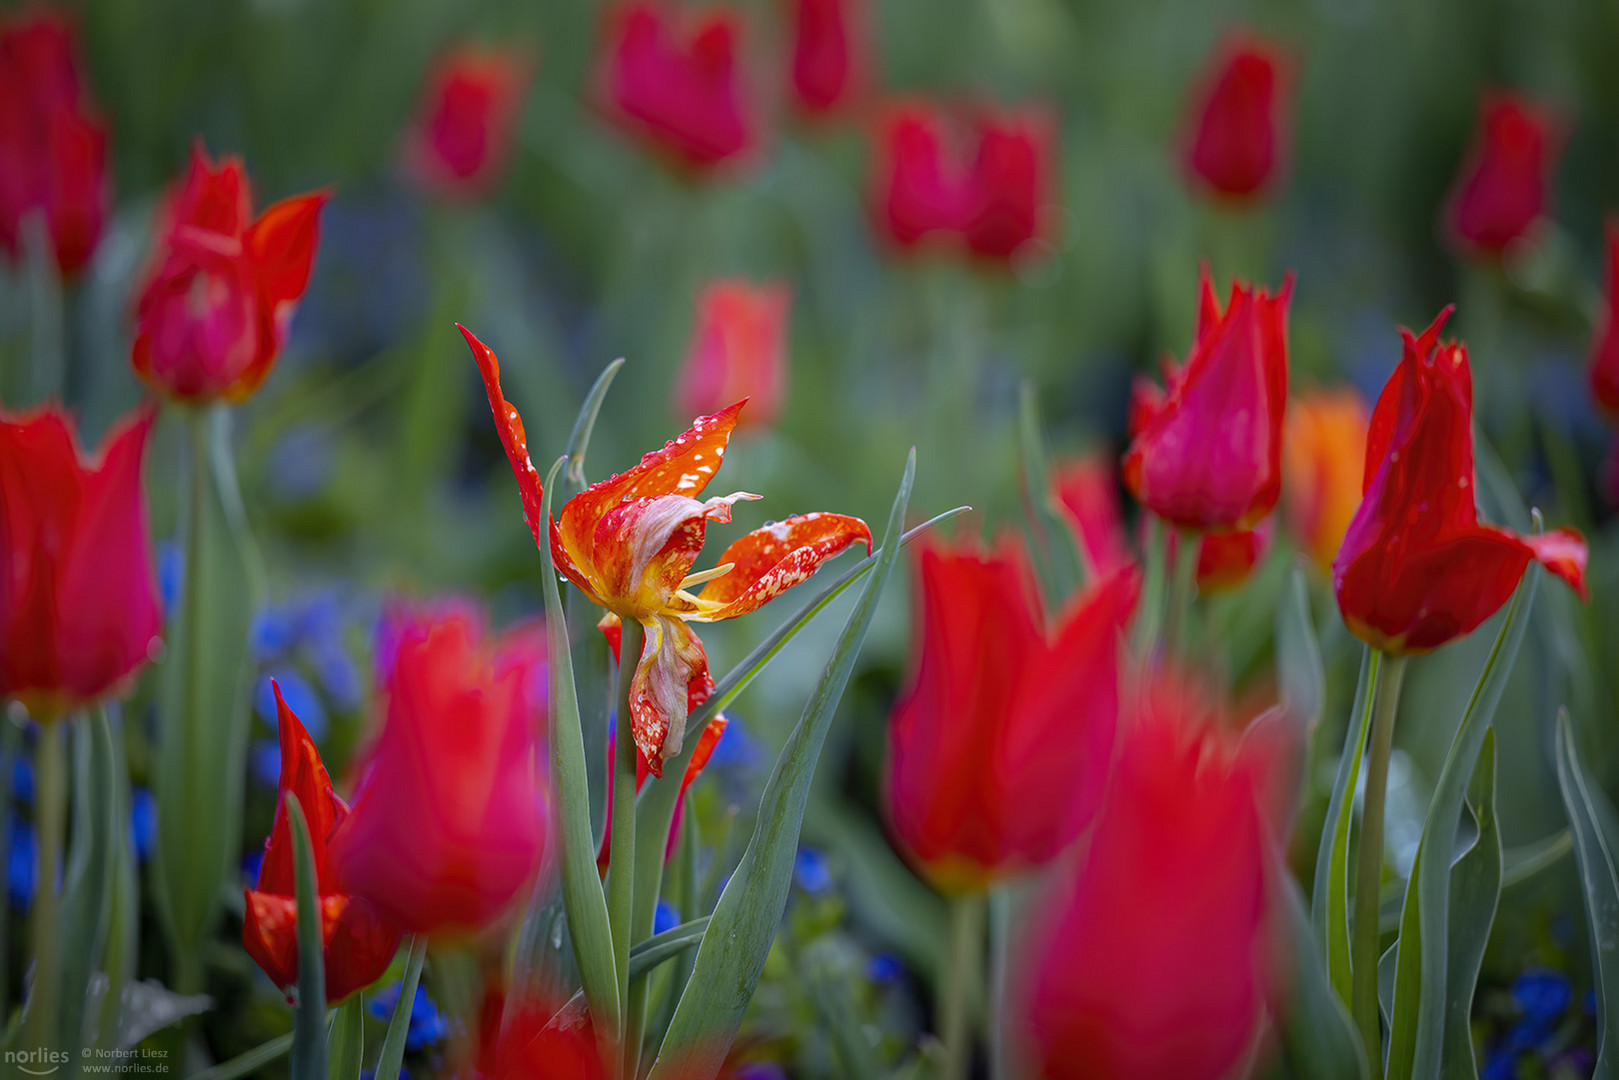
[(512, 435), (683, 467), (771, 560), (672, 672), (1564, 553)]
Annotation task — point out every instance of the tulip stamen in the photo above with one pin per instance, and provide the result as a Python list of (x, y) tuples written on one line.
[(706, 575)]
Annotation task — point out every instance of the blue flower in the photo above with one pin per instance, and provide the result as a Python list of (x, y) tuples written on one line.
[(264, 762), (1543, 995), (275, 631), (250, 866), (171, 570), (665, 917), (22, 872), (885, 968), (22, 779), (427, 1025), (142, 822), (811, 872), (300, 697)]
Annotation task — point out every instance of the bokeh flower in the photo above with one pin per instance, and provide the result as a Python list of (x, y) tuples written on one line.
[(53, 147), (678, 81), (357, 942), (79, 612), (1149, 961), (1237, 141), (450, 817), (629, 543), (1323, 461), (998, 750), (222, 286), (826, 52), (1416, 569), (738, 350), (466, 123), (1505, 184), (1207, 450)]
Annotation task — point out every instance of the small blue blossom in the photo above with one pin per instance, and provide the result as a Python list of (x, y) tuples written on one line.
[(340, 677), (275, 631), (427, 1025), (142, 822), (22, 779), (761, 1070), (1543, 995), (250, 866), (665, 917), (22, 872), (811, 872), (264, 762), (885, 968), (171, 569), (300, 697)]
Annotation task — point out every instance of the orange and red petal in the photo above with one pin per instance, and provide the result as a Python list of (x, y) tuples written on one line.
[(512, 436), (641, 550), (672, 665), (282, 244), (770, 560)]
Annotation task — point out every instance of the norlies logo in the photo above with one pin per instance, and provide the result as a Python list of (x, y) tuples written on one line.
[(37, 1062)]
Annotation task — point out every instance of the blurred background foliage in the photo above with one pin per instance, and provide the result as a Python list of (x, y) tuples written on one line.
[(370, 466)]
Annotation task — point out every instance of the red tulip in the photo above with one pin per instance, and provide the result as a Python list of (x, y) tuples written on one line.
[(629, 544), (450, 820), (992, 201), (79, 610), (1323, 458), (1207, 453), (1605, 351), (825, 57), (679, 84), (1505, 184), (998, 752), (1149, 965), (1085, 492), (1227, 559), (467, 120), (1237, 141), (357, 943), (222, 287), (1417, 569), (53, 148), (738, 350)]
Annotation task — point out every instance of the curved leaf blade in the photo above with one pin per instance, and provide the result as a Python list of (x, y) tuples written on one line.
[(1592, 820), (1475, 882)]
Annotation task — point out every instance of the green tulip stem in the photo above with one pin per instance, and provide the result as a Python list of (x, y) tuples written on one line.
[(963, 971), (621, 867), (50, 808), (1182, 588), (1369, 872)]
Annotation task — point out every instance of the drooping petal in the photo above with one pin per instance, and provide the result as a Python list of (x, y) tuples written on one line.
[(1564, 553), (672, 663), (770, 560), (512, 436)]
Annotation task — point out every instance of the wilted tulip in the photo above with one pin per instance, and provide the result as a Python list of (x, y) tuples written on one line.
[(679, 83), (1237, 140), (738, 350), (998, 752), (1505, 184), (1416, 569), (1207, 450), (1323, 460), (629, 543), (53, 148), (467, 120), (222, 287), (449, 822), (825, 52), (358, 944), (79, 611), (1149, 963), (1605, 349)]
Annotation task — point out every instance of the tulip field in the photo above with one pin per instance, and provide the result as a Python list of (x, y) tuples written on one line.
[(809, 539)]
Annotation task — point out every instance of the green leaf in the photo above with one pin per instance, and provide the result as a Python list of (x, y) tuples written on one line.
[(345, 1039), (120, 956), (87, 887), (733, 951), (248, 1063), (1298, 654), (309, 1020), (585, 422), (1592, 820), (582, 894), (737, 679), (1317, 1036), (660, 947), (1475, 882), (1417, 1024), (393, 1044), (203, 714), (1329, 901)]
